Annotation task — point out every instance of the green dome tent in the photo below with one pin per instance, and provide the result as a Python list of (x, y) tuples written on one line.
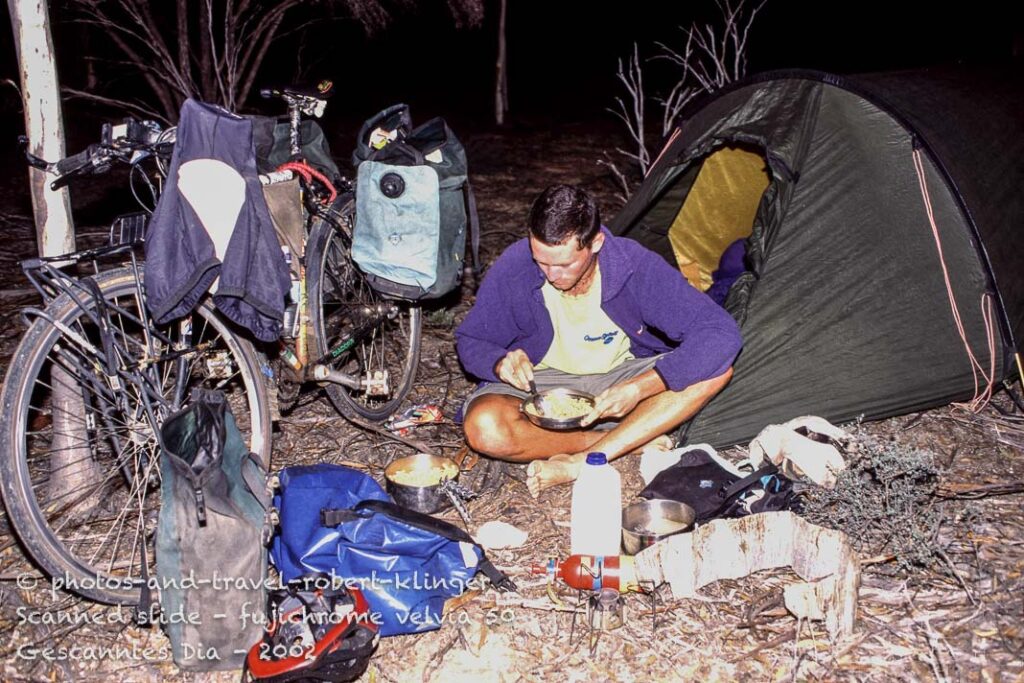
[(844, 305)]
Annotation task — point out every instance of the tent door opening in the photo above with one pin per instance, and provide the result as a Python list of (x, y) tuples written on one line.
[(717, 216)]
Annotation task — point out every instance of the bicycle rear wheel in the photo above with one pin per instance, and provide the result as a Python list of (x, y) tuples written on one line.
[(79, 468), (340, 301)]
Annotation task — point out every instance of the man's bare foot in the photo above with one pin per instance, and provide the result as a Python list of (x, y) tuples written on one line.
[(558, 469), (562, 469), (658, 443)]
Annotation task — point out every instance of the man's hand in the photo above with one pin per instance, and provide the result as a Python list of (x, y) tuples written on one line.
[(615, 401), (621, 399), (515, 369)]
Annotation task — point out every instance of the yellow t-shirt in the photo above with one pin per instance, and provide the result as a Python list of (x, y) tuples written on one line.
[(586, 340)]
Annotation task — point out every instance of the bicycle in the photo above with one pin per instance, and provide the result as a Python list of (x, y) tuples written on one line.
[(94, 377), (366, 346)]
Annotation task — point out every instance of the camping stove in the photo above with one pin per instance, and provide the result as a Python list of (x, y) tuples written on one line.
[(605, 610), (602, 584)]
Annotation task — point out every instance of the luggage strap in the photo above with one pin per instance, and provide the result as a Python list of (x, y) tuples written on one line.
[(334, 517)]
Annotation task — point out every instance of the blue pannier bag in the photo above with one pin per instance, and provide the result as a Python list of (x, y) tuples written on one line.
[(414, 206), (301, 492), (338, 521)]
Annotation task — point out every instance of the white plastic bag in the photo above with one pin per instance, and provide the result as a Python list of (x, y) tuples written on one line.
[(802, 446)]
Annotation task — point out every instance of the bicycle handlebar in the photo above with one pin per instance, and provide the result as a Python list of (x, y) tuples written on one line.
[(121, 141), (89, 159), (321, 91)]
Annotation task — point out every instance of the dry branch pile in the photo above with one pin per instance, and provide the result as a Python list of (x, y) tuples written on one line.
[(887, 486)]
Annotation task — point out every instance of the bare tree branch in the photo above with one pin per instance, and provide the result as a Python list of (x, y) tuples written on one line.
[(250, 77), (631, 77), (620, 177), (215, 49), (711, 58), (218, 79), (139, 107), (140, 13), (466, 13), (257, 42), (184, 56), (154, 79), (370, 15), (206, 66)]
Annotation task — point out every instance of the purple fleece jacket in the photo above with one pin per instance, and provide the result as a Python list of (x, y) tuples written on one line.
[(649, 299)]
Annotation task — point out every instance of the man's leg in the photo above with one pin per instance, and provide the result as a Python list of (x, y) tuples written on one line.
[(496, 427), (652, 417)]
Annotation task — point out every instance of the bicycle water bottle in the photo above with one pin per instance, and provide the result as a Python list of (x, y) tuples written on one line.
[(596, 525)]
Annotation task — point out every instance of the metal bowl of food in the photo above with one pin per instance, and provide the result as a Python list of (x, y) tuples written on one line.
[(646, 522), (557, 408), (415, 481)]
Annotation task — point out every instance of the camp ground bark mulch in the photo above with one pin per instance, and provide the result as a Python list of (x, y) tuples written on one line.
[(956, 617)]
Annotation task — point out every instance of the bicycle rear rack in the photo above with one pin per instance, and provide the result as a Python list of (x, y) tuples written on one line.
[(48, 277), (47, 273)]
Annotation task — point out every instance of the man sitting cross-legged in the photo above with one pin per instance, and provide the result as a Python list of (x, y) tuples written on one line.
[(574, 306)]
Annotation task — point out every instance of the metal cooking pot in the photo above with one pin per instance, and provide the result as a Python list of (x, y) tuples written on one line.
[(422, 475), (646, 522), (528, 408)]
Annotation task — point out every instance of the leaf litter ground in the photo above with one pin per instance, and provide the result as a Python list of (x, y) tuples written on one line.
[(946, 603)]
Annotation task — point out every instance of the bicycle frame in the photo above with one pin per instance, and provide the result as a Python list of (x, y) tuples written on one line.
[(298, 358)]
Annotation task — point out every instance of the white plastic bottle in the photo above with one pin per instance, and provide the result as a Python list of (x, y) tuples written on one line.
[(596, 526)]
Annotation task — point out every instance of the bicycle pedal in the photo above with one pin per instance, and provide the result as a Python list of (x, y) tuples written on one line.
[(377, 383)]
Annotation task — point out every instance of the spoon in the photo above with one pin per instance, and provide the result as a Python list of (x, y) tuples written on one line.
[(538, 402)]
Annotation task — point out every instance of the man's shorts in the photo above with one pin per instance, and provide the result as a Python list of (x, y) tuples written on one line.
[(548, 378)]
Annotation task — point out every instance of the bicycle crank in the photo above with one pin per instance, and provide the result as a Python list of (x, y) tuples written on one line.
[(376, 383)]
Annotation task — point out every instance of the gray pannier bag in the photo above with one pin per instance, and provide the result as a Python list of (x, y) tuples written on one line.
[(211, 560), (414, 206)]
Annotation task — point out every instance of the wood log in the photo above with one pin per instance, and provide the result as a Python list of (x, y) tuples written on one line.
[(734, 548)]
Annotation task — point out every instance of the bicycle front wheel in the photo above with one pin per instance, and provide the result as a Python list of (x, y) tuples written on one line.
[(79, 469), (341, 303)]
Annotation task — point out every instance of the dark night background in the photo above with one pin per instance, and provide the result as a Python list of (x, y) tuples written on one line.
[(562, 55)]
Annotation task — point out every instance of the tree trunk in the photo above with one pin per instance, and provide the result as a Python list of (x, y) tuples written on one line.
[(71, 464), (501, 71), (54, 230), (207, 80)]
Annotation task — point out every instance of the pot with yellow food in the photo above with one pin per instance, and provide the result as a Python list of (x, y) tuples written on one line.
[(415, 481)]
